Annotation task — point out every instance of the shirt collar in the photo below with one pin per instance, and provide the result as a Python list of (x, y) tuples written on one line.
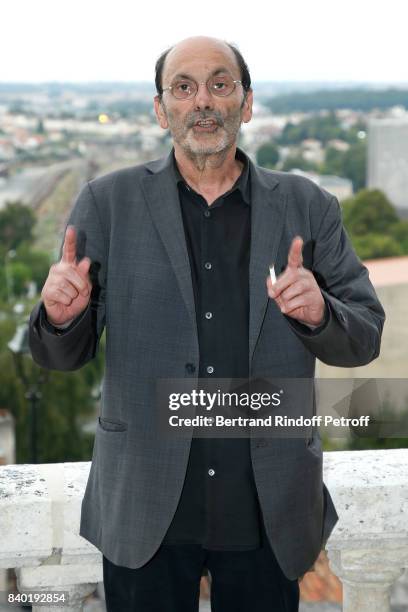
[(242, 183)]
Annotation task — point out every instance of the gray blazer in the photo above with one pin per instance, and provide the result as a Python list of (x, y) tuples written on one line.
[(130, 225)]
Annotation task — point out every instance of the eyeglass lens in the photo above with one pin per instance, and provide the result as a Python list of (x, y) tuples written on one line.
[(217, 85)]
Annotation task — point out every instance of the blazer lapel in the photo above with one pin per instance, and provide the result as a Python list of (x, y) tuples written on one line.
[(268, 208), (161, 193)]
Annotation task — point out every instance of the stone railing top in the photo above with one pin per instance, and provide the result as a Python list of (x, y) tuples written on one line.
[(40, 507), (370, 492)]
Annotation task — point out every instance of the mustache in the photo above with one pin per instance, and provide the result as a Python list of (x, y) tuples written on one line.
[(214, 116)]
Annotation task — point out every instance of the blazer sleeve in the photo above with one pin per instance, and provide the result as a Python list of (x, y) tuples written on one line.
[(351, 335), (71, 348)]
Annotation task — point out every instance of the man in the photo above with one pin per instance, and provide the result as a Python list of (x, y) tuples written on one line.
[(172, 258)]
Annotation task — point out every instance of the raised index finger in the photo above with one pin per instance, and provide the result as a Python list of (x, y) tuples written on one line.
[(295, 259), (69, 246)]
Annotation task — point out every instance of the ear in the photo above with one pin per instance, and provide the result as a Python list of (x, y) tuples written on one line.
[(160, 113), (247, 106)]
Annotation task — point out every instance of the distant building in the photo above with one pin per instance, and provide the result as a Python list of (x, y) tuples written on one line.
[(340, 187), (388, 160), (339, 145), (312, 150)]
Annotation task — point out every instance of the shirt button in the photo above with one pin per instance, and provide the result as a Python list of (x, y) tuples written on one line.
[(211, 472), (208, 315), (207, 213), (210, 369), (207, 265)]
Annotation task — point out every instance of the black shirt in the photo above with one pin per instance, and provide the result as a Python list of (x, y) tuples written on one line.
[(219, 507)]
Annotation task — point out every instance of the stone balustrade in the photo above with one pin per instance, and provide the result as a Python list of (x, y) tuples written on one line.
[(368, 550)]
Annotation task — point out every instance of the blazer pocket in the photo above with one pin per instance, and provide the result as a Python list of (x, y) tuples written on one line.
[(111, 425), (314, 445)]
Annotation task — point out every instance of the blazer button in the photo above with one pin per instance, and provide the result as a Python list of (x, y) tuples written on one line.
[(261, 443), (190, 368)]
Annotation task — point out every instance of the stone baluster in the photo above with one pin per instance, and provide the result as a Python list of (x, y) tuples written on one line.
[(367, 576)]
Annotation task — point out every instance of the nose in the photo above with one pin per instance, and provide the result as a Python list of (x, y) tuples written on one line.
[(203, 98)]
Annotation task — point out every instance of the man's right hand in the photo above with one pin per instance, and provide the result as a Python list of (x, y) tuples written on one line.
[(67, 290)]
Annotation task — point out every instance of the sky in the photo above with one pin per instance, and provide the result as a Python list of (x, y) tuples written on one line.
[(298, 40)]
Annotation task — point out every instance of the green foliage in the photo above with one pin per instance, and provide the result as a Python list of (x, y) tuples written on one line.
[(387, 427), (65, 405), (349, 164), (369, 211), (357, 99), (18, 260), (354, 164), (27, 265), (333, 163), (37, 261), (323, 128), (297, 161), (399, 232), (352, 135), (66, 396), (373, 225), (20, 276), (66, 401), (267, 155), (16, 225), (397, 423), (375, 246)]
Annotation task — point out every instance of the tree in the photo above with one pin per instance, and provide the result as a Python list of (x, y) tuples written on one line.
[(16, 225), (373, 225), (399, 231), (357, 99), (349, 164), (38, 262), (334, 162), (66, 403), (297, 161), (67, 396), (267, 155), (323, 128), (375, 246), (355, 163), (20, 275), (369, 212)]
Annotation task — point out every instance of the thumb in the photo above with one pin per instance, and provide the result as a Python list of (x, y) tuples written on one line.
[(84, 265), (295, 259)]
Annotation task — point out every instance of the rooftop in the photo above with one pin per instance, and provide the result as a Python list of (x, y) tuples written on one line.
[(388, 271)]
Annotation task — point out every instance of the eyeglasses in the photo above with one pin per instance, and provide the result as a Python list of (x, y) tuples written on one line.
[(185, 89)]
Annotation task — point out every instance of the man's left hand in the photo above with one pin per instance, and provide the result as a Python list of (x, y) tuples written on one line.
[(296, 291)]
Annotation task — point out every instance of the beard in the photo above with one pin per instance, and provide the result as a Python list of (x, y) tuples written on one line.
[(204, 144)]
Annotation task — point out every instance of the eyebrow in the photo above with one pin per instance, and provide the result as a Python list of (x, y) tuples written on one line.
[(184, 75)]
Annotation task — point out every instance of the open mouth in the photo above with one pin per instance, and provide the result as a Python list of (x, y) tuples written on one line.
[(205, 125)]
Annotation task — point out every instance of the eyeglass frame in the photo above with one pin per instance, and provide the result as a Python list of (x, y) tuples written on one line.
[(235, 81)]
